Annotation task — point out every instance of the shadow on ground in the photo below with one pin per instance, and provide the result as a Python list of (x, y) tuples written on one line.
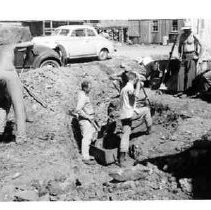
[(8, 135), (193, 164)]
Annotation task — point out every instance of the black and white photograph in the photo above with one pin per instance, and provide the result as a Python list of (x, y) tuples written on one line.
[(105, 109)]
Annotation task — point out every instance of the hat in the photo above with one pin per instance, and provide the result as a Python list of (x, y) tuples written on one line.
[(187, 26), (145, 61)]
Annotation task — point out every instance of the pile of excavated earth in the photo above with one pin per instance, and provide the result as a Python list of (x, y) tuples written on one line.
[(171, 163)]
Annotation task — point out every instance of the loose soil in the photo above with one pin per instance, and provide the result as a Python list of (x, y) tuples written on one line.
[(49, 165)]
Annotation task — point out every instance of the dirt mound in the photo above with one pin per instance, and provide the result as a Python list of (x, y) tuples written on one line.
[(49, 165)]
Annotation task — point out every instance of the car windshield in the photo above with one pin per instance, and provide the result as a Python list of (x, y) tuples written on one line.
[(63, 32)]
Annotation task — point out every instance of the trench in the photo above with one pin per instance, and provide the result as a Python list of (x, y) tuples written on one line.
[(186, 173)]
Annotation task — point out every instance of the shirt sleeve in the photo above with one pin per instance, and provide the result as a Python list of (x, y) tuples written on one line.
[(197, 42)]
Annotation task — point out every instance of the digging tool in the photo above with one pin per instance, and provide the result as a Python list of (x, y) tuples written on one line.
[(163, 86), (93, 122), (38, 100), (152, 110)]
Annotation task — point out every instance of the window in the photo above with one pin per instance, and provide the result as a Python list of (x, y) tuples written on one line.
[(155, 26), (47, 23), (174, 25), (64, 32), (78, 33), (90, 32)]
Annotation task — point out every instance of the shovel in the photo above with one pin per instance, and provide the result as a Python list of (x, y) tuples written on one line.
[(163, 86), (152, 109)]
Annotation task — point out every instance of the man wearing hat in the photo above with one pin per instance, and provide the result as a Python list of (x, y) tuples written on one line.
[(190, 50)]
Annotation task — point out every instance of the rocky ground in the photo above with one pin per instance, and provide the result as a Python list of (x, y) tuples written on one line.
[(171, 163)]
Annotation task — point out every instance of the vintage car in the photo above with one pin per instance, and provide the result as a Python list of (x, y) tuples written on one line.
[(29, 55), (77, 41)]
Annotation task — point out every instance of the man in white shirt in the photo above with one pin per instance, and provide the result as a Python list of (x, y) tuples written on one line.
[(129, 112), (86, 116)]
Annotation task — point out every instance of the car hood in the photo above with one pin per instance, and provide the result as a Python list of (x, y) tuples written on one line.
[(49, 41)]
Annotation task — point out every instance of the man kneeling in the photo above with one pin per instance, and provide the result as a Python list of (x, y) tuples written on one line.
[(129, 112)]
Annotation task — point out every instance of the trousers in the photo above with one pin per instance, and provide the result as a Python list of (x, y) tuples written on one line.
[(3, 120), (141, 113), (87, 131), (187, 73)]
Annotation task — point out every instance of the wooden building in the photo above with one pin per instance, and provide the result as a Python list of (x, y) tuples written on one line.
[(152, 31), (146, 31)]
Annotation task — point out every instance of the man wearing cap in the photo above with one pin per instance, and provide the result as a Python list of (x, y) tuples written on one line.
[(190, 50)]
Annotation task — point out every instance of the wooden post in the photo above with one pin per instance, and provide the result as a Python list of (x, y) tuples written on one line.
[(43, 27), (51, 26)]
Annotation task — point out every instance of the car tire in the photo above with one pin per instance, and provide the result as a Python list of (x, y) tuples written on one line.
[(50, 64), (103, 55)]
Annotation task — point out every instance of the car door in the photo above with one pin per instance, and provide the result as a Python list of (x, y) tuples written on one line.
[(76, 46), (91, 42)]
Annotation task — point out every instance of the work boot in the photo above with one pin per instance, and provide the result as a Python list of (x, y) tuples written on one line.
[(89, 161), (20, 139)]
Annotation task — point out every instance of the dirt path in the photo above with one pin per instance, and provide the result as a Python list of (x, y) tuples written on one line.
[(49, 165)]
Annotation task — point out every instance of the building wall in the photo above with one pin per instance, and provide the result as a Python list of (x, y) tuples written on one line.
[(141, 31), (36, 27), (134, 28), (145, 32)]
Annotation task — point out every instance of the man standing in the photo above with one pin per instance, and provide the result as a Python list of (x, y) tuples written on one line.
[(86, 113), (190, 50), (11, 94), (129, 112)]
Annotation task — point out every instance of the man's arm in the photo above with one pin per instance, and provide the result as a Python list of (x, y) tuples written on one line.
[(180, 47), (198, 42), (137, 90)]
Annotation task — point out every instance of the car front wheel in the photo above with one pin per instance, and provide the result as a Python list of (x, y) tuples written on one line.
[(50, 64), (103, 54)]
